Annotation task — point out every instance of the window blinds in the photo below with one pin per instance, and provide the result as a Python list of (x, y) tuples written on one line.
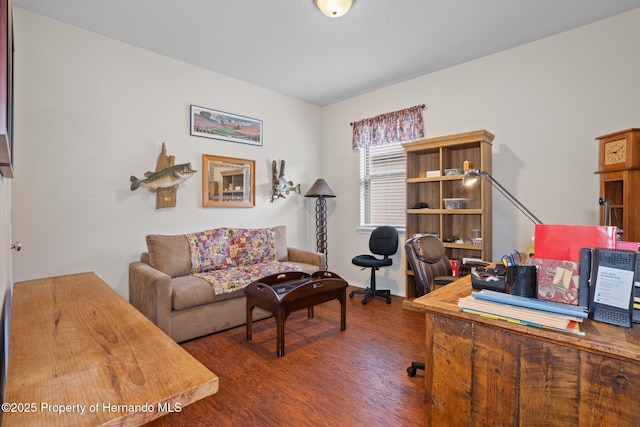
[(382, 185)]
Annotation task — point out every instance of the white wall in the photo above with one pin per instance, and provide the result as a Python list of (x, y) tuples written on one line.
[(545, 102), (91, 111)]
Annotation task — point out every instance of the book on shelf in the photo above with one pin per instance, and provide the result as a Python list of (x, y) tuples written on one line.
[(521, 315)]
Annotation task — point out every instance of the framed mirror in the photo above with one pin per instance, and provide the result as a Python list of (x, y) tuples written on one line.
[(228, 182)]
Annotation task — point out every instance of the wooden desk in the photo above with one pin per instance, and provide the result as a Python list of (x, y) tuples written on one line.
[(77, 346), (481, 371)]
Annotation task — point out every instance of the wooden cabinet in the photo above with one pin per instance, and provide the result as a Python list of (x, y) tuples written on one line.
[(619, 170), (436, 155), (481, 371)]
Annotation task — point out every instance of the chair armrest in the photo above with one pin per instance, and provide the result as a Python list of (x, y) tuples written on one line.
[(150, 293), (444, 280), (308, 257)]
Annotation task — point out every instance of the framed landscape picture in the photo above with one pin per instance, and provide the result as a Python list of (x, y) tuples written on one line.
[(225, 126)]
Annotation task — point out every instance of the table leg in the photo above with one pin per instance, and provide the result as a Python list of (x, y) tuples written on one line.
[(343, 310), (249, 318), (310, 312), (280, 318)]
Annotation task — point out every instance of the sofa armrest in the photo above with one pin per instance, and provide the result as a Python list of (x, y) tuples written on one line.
[(150, 293), (308, 257)]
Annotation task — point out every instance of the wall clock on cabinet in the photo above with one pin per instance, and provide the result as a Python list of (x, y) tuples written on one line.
[(619, 170), (619, 150), (615, 152)]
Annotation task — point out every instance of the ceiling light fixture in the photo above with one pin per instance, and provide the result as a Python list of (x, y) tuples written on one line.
[(334, 8)]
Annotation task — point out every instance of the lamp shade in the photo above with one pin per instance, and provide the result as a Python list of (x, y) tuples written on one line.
[(334, 8), (320, 188), (471, 177)]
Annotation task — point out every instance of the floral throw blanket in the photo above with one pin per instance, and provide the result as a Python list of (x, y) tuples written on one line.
[(231, 258), (234, 279)]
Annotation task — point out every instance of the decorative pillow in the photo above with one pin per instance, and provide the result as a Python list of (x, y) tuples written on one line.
[(209, 250), (252, 246)]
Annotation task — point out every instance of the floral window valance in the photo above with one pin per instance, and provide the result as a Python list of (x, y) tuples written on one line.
[(403, 125)]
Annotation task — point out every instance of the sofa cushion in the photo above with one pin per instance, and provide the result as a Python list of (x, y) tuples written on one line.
[(169, 254), (252, 246), (191, 291), (209, 250)]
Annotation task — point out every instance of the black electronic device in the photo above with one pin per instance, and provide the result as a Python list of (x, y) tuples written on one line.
[(612, 286), (585, 277)]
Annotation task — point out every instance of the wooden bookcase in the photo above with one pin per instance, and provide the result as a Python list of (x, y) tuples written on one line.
[(232, 185), (619, 170), (438, 154)]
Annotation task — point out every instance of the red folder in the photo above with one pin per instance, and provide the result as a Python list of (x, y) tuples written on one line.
[(563, 242)]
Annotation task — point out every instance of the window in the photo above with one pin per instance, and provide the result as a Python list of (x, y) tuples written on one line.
[(382, 186)]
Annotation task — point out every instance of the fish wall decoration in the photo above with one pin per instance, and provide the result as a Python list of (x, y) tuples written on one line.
[(165, 180), (281, 187)]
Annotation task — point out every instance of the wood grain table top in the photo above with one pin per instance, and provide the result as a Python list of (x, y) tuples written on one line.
[(80, 355), (599, 337)]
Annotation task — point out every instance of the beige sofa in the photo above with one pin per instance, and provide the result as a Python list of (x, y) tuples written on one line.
[(192, 285)]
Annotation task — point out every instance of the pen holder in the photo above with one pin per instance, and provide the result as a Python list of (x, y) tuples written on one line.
[(522, 280)]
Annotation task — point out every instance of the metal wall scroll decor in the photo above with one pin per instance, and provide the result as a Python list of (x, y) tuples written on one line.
[(280, 186)]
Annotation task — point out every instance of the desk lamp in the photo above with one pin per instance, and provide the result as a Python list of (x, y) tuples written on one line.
[(470, 178), (321, 190)]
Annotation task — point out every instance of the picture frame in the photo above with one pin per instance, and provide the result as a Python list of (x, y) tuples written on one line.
[(228, 182), (6, 89), (214, 124)]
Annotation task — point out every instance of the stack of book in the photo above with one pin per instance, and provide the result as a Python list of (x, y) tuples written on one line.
[(524, 311)]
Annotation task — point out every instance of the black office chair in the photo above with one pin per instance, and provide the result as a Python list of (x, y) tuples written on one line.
[(383, 241), (431, 267)]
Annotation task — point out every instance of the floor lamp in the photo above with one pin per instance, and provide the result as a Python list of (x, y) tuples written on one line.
[(321, 190)]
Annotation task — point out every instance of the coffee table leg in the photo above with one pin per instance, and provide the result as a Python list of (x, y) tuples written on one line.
[(249, 318), (280, 318), (343, 310)]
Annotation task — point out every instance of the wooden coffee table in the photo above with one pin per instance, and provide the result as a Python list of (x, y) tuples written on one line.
[(283, 293)]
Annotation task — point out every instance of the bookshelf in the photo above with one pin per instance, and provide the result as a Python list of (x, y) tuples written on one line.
[(436, 155)]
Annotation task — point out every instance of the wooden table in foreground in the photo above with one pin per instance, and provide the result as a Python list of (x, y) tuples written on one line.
[(80, 355), (482, 372)]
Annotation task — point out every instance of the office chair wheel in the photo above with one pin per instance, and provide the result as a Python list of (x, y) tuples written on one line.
[(364, 301), (351, 294), (388, 300), (411, 371)]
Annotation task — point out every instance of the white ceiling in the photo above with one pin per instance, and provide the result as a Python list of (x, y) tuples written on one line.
[(288, 46)]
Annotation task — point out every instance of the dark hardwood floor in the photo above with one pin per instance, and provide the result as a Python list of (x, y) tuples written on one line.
[(356, 377)]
